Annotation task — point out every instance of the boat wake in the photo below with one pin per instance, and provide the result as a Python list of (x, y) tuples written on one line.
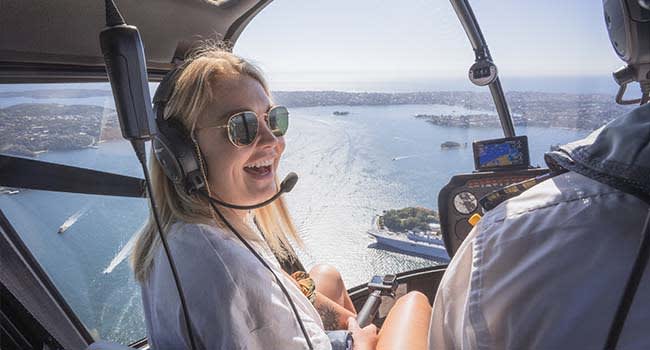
[(410, 156), (121, 255), (405, 157)]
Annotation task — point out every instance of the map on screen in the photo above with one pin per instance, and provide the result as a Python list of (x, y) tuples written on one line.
[(501, 153)]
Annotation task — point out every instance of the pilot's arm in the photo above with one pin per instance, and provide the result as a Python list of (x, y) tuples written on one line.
[(545, 270)]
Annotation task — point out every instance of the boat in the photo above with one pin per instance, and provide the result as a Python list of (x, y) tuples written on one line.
[(66, 225), (427, 237), (449, 145), (403, 244), (8, 190), (71, 220), (426, 244)]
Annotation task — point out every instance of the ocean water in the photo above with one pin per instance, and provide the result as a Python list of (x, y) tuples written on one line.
[(350, 167)]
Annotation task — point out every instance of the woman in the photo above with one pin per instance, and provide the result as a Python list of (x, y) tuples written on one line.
[(233, 301)]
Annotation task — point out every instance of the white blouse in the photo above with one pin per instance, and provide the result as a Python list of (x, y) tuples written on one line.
[(233, 300)]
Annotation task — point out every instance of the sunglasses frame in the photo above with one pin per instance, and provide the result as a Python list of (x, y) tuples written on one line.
[(227, 125)]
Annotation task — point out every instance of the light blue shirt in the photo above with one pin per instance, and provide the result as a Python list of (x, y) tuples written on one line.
[(546, 270)]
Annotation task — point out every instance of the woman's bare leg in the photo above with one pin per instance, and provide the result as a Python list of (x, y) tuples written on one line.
[(332, 300), (407, 324)]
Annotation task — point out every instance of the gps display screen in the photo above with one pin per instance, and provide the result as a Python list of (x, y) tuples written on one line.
[(510, 152)]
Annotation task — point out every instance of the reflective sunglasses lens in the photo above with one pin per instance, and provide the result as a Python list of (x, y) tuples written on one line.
[(243, 128), (279, 120)]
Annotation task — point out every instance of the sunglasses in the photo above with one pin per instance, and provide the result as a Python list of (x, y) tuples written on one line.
[(243, 127)]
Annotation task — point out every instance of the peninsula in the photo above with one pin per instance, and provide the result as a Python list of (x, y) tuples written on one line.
[(30, 128)]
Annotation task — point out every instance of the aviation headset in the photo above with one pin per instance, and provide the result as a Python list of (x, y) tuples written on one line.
[(172, 146), (179, 157), (628, 26)]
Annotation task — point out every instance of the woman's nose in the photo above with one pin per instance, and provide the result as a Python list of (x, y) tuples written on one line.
[(266, 137)]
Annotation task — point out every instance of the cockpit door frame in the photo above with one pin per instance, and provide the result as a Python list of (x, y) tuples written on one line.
[(26, 280), (477, 40)]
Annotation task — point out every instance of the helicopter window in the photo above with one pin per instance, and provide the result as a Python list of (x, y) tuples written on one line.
[(383, 114), (77, 238)]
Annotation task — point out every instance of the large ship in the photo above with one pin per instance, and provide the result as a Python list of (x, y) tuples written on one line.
[(427, 244)]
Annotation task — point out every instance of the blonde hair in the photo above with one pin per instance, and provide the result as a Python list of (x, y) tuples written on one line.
[(193, 92)]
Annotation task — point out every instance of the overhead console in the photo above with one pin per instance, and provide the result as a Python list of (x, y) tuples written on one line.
[(499, 163)]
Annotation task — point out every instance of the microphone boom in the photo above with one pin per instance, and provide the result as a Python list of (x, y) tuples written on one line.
[(286, 186)]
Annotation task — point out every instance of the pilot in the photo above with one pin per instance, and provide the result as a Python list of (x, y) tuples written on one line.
[(548, 269), (222, 105)]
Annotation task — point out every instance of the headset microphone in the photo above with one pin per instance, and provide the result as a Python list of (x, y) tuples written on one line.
[(285, 187)]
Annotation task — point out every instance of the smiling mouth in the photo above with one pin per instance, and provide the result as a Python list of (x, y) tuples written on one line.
[(258, 171), (260, 168)]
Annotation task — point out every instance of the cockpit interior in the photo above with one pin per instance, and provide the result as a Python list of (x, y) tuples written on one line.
[(72, 193)]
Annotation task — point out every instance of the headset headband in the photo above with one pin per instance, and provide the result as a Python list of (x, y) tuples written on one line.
[(164, 92)]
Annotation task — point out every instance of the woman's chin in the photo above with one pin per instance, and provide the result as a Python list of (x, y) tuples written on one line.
[(261, 188), (262, 194)]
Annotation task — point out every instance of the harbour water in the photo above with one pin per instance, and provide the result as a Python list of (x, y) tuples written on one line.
[(351, 167)]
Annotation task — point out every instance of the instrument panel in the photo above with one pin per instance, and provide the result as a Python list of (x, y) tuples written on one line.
[(459, 200)]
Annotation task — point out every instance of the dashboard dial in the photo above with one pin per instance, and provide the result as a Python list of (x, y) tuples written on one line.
[(465, 202)]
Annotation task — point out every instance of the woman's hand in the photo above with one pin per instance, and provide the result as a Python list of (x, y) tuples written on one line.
[(364, 338)]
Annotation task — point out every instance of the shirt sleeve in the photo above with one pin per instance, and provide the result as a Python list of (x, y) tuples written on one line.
[(219, 311), (447, 321)]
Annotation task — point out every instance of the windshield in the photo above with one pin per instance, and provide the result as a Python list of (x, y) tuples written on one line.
[(382, 115)]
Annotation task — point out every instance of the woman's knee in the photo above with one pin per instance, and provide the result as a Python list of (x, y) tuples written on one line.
[(407, 324), (325, 271), (414, 299), (328, 282), (412, 305)]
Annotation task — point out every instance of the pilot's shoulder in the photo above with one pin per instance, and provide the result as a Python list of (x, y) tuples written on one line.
[(569, 190)]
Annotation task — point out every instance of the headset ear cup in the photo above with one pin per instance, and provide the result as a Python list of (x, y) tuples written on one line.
[(167, 159), (176, 155)]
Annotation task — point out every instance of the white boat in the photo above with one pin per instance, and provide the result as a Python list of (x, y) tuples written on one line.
[(71, 220), (418, 243), (404, 244), (427, 237), (8, 190)]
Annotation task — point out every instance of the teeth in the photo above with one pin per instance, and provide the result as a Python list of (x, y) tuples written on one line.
[(260, 164)]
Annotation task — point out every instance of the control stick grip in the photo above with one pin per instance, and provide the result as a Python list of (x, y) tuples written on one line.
[(369, 310)]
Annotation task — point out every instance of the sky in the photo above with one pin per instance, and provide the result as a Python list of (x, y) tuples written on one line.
[(420, 44)]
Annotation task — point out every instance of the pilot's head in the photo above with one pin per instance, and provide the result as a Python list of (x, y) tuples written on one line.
[(628, 25)]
